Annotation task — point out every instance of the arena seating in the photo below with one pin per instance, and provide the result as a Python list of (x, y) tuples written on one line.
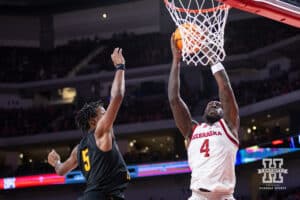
[(60, 117), (31, 64)]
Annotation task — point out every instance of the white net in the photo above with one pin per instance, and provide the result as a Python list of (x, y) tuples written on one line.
[(201, 24)]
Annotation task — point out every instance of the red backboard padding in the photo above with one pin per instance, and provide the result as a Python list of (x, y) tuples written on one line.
[(266, 10)]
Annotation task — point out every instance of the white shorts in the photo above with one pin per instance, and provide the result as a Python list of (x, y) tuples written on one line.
[(210, 196)]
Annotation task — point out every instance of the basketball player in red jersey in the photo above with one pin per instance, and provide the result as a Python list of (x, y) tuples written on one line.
[(213, 144)]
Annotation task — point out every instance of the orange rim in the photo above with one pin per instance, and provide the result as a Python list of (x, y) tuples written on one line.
[(172, 6)]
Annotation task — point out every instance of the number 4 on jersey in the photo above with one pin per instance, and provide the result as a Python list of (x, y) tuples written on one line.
[(205, 148)]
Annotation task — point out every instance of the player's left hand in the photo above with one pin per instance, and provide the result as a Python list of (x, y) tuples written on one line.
[(117, 57)]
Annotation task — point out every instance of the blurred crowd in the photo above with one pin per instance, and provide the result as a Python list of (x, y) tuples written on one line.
[(24, 64), (249, 92), (254, 34), (147, 103), (36, 120), (139, 51), (32, 64)]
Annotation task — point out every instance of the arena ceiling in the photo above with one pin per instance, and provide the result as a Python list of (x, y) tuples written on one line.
[(44, 7)]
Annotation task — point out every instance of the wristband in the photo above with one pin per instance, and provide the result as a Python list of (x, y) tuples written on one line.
[(217, 67), (120, 67), (57, 163)]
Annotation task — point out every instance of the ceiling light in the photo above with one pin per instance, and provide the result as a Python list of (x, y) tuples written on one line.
[(287, 129), (104, 15)]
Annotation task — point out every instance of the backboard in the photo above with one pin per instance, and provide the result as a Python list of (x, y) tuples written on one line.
[(285, 11)]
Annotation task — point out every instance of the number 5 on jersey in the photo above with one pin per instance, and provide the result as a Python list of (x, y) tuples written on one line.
[(205, 148), (86, 159)]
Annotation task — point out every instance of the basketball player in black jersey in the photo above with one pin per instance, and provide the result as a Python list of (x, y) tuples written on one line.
[(97, 154)]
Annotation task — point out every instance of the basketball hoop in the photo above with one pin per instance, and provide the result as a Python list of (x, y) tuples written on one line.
[(209, 18)]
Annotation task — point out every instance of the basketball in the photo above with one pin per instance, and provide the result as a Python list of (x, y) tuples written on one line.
[(177, 38), (193, 37)]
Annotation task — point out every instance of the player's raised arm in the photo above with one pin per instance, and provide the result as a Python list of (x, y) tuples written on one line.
[(117, 93), (179, 109), (227, 98), (62, 168)]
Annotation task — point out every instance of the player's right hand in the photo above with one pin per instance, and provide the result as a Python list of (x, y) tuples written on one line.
[(53, 158), (175, 51)]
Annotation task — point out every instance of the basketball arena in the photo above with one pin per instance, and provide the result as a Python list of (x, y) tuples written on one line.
[(56, 56)]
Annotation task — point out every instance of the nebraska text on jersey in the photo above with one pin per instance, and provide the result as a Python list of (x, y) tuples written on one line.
[(206, 134)]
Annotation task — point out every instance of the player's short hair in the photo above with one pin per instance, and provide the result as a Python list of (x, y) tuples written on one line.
[(87, 112)]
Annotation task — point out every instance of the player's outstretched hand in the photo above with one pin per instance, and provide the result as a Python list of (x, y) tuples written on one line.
[(175, 51), (117, 57), (53, 158)]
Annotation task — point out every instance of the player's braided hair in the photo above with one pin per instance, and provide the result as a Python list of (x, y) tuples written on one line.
[(87, 112)]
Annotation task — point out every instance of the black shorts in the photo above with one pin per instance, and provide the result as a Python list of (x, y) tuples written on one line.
[(95, 195)]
